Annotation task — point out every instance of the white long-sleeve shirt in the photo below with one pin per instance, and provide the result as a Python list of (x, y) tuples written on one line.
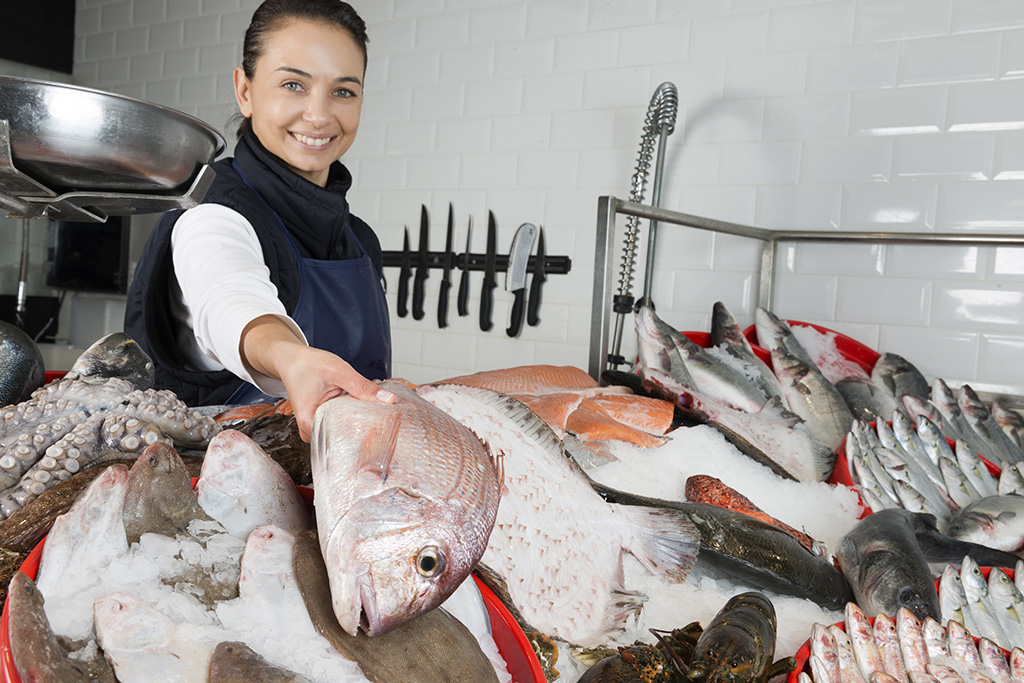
[(221, 284)]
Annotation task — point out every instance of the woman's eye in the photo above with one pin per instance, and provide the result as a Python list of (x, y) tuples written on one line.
[(344, 92), (292, 85)]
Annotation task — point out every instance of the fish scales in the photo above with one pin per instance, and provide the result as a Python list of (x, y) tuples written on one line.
[(556, 543), (407, 498), (1008, 604), (912, 645), (953, 600), (811, 396), (888, 643), (980, 603), (862, 636), (726, 334), (23, 368)]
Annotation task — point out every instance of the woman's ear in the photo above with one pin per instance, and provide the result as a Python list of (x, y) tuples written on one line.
[(242, 91)]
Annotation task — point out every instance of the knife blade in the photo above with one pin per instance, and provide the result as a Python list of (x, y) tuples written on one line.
[(422, 271), (490, 262), (403, 278), (539, 276), (446, 276), (462, 300), (515, 276)]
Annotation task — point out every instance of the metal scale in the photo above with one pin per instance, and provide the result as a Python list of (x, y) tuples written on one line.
[(78, 154)]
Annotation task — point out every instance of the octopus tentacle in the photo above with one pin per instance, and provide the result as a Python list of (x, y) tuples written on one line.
[(63, 397), (101, 437), (19, 451)]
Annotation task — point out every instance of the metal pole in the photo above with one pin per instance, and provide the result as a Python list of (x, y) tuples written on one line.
[(652, 233)]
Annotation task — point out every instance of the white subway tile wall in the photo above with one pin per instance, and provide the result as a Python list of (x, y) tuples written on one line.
[(859, 115)]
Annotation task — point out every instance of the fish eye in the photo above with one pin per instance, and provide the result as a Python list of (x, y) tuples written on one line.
[(430, 562)]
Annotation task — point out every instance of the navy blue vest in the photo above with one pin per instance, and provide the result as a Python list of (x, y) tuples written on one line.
[(318, 223)]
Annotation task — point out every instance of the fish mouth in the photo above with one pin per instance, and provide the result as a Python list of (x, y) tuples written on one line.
[(371, 620)]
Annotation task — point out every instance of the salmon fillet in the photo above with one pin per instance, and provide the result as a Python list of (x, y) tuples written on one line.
[(651, 415), (529, 379), (588, 422), (554, 409)]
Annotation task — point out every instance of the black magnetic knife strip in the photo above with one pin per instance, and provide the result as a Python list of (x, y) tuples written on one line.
[(553, 265)]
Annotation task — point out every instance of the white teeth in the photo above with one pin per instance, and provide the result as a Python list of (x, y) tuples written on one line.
[(315, 142)]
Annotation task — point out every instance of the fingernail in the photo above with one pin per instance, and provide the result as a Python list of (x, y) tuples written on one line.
[(385, 396)]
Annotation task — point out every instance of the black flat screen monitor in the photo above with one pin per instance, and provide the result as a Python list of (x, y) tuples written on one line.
[(89, 257)]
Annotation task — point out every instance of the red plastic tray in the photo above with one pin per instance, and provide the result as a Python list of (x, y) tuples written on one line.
[(513, 646), (848, 347)]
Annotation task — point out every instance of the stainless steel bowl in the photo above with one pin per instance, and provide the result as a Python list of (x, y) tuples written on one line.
[(71, 138)]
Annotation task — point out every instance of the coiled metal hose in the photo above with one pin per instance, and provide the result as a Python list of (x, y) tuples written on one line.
[(659, 123)]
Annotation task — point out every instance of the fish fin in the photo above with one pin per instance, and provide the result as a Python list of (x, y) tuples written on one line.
[(378, 447), (664, 541), (776, 410)]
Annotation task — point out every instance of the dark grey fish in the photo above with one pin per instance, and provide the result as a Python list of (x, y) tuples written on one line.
[(898, 376), (160, 498), (738, 547), (985, 426), (236, 662), (116, 355), (23, 370), (885, 566), (865, 399), (433, 646), (37, 654)]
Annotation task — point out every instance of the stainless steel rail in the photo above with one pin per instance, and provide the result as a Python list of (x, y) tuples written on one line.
[(610, 207)]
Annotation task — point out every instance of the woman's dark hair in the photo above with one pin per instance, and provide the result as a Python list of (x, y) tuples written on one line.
[(272, 14)]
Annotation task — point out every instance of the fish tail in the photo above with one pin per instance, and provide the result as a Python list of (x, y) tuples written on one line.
[(664, 541)]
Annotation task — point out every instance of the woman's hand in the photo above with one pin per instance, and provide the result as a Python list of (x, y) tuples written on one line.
[(310, 376)]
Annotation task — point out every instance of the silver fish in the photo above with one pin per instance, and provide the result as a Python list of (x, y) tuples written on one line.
[(709, 374), (406, 499), (916, 407), (766, 436), (994, 521), (1011, 482), (811, 396), (917, 479), (656, 347), (985, 426), (544, 564), (958, 486), (1011, 422), (974, 469), (23, 367), (727, 334), (932, 439), (774, 333), (898, 376), (980, 603), (946, 401), (912, 443), (953, 600), (1008, 603), (865, 399)]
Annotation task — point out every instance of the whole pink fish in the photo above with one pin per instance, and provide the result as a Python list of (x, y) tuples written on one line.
[(934, 640), (945, 674), (993, 661), (869, 660), (849, 672), (922, 676), (961, 646), (912, 647), (406, 498), (824, 655), (1017, 661), (888, 644)]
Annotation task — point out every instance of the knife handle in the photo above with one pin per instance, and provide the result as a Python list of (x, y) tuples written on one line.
[(534, 302), (442, 304), (418, 293), (486, 304), (516, 324), (463, 297), (403, 295)]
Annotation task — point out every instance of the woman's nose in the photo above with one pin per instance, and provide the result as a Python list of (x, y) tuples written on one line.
[(316, 111)]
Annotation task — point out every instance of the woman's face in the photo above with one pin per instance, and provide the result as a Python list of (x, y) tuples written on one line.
[(305, 96)]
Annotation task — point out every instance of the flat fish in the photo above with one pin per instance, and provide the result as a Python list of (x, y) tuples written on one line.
[(23, 368), (406, 499), (556, 544), (243, 488), (432, 647), (236, 662), (160, 498)]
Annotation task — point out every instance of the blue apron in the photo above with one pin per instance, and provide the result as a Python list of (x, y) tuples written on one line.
[(341, 309)]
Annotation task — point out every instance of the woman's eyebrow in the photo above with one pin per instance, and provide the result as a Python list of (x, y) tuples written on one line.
[(300, 72)]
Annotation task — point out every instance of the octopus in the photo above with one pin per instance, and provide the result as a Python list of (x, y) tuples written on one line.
[(72, 423)]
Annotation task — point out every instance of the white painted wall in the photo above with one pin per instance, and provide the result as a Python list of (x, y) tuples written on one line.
[(865, 115)]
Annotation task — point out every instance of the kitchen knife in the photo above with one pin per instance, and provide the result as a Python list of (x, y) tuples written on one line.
[(462, 300), (490, 259), (539, 276), (515, 276), (446, 277), (403, 278), (422, 271)]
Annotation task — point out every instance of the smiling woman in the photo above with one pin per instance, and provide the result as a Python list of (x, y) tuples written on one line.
[(271, 287)]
